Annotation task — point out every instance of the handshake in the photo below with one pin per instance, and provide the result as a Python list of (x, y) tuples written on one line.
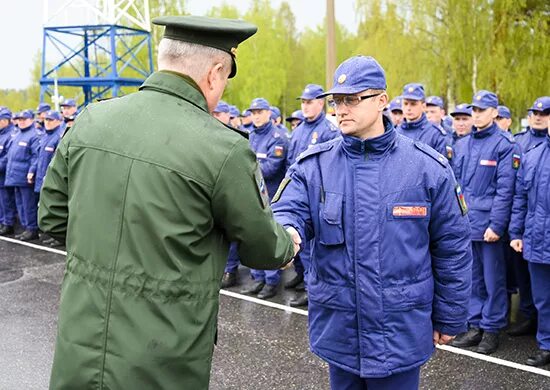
[(297, 240)]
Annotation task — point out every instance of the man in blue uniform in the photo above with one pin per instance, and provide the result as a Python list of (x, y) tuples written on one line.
[(462, 121), (435, 112), (416, 124), (222, 112), (485, 165), (270, 146), (315, 129), (295, 119), (396, 111), (390, 269), (536, 134), (40, 113), (20, 172), (7, 196), (504, 118), (530, 234), (246, 121)]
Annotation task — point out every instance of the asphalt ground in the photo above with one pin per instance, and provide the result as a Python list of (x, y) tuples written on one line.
[(261, 344)]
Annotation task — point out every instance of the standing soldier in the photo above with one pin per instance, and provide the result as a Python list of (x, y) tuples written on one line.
[(147, 191), (396, 111), (246, 120), (20, 172), (529, 230), (222, 112), (377, 307), (435, 112), (504, 118), (7, 196), (416, 124), (69, 110), (270, 147), (40, 113), (462, 121), (295, 119), (485, 165)]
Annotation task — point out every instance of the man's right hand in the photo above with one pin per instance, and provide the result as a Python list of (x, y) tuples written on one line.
[(296, 239), (517, 245)]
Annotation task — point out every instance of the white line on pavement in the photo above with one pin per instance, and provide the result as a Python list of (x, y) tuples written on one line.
[(458, 351)]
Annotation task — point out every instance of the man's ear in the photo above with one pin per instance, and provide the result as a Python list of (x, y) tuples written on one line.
[(214, 75)]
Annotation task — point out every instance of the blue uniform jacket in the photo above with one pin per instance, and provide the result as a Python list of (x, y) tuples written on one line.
[(531, 208), (48, 146), (6, 135), (391, 256), (22, 157), (485, 165), (310, 133), (425, 131), (529, 138), (270, 146)]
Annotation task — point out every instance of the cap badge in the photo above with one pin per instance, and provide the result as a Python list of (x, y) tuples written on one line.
[(342, 78), (411, 89), (478, 97), (539, 105)]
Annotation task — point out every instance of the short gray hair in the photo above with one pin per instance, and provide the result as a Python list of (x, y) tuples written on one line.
[(189, 58)]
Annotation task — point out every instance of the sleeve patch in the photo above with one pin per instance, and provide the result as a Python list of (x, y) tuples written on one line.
[(516, 161), (461, 200), (262, 187), (279, 151), (281, 189)]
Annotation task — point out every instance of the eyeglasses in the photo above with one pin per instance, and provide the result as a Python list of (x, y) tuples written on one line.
[(349, 100)]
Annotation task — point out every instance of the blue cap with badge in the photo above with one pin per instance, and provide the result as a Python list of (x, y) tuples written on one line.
[(69, 103), (246, 113), (413, 91), (275, 112), (542, 104), (311, 91), (396, 104), (485, 99), (462, 109), (435, 101), (234, 112), (259, 104), (43, 107), (53, 115), (5, 113), (504, 112), (25, 114), (222, 107), (295, 115)]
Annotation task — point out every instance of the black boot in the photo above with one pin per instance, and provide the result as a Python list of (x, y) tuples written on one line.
[(299, 300), (5, 230), (29, 235), (229, 279), (255, 288), (292, 283), (523, 328), (488, 344), (268, 291), (469, 339), (541, 358), (55, 243)]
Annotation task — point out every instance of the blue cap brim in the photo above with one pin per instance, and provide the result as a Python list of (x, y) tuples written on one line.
[(342, 90), (411, 97)]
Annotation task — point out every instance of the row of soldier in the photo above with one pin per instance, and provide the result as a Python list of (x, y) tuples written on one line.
[(485, 164), (28, 140)]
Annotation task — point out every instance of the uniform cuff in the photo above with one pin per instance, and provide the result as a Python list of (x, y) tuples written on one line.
[(450, 330)]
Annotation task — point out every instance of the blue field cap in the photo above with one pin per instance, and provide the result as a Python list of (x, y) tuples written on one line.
[(43, 107), (484, 99), (55, 115), (68, 103), (222, 107), (259, 104), (25, 114), (275, 112), (462, 109), (413, 91), (504, 112), (295, 115), (246, 113), (5, 113), (234, 112), (435, 101), (541, 104), (311, 91), (396, 104), (357, 74)]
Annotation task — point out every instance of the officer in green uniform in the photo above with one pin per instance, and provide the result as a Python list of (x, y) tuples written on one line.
[(147, 191)]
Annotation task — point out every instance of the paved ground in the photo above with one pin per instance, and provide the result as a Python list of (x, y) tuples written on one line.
[(259, 347)]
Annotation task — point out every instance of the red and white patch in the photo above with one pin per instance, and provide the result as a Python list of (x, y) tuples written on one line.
[(410, 211), (488, 163)]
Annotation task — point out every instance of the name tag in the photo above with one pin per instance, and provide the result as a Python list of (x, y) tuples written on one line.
[(22, 143), (261, 155), (410, 211), (49, 149), (488, 163)]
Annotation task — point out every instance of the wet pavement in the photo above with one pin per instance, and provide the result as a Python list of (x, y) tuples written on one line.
[(259, 347)]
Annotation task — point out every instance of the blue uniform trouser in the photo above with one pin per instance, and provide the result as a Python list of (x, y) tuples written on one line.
[(233, 259), (272, 277), (523, 280), (489, 301), (343, 380), (7, 206), (540, 284), (27, 207)]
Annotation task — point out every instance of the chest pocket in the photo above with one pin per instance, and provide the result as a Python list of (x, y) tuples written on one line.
[(331, 230)]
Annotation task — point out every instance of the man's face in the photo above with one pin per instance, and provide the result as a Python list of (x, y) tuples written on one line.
[(51, 124), (539, 120), (462, 124), (24, 123), (246, 120), (483, 117), (434, 114), (235, 122), (294, 123), (413, 109), (260, 117), (68, 110), (4, 123), (356, 119), (223, 117), (396, 117), (41, 116), (503, 123), (312, 108)]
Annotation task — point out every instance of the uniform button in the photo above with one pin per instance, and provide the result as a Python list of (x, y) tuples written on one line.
[(351, 275)]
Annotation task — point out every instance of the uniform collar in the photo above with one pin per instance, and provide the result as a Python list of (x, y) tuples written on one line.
[(317, 120), (415, 125), (176, 84), (27, 128), (372, 146), (539, 133), (263, 128), (52, 130), (485, 132)]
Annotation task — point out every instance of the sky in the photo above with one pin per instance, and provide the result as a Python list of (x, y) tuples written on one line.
[(23, 20)]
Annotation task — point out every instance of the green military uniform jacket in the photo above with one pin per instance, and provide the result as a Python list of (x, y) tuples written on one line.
[(147, 191)]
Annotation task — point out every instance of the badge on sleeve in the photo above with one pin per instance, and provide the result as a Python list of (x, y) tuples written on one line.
[(516, 161), (279, 151), (280, 190), (461, 200), (449, 149), (262, 188)]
